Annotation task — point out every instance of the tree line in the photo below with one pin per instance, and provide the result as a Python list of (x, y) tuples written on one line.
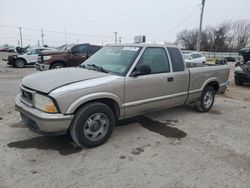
[(225, 37)]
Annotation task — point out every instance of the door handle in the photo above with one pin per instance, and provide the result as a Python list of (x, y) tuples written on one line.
[(170, 79)]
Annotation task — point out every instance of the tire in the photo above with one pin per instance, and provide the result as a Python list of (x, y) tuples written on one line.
[(206, 101), (92, 125), (57, 66), (237, 82), (19, 63)]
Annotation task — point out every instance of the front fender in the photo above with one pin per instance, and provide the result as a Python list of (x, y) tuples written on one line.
[(99, 95)]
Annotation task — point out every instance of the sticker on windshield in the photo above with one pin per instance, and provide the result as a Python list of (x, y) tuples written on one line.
[(131, 48)]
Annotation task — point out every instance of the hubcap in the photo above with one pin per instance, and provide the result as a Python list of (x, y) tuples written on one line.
[(58, 67), (96, 126), (208, 99), (20, 63)]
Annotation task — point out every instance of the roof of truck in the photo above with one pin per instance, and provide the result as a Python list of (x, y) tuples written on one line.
[(142, 45)]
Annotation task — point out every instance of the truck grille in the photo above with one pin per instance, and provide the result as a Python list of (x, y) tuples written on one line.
[(40, 59), (27, 96), (246, 69)]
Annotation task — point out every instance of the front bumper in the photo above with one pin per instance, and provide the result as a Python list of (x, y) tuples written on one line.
[(222, 88), (42, 122), (42, 67), (11, 60), (242, 76)]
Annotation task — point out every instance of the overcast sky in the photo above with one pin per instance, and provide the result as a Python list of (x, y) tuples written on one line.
[(94, 21)]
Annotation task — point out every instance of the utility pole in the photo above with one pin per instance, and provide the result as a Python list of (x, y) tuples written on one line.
[(65, 36), (201, 19), (42, 35), (115, 37), (21, 37)]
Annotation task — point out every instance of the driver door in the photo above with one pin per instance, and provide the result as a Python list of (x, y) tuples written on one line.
[(148, 92), (32, 56), (78, 55)]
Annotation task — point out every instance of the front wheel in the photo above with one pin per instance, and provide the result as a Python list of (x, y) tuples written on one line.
[(19, 63), (92, 125), (237, 82), (57, 66), (206, 101)]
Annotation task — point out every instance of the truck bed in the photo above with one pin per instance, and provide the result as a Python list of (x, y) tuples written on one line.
[(201, 74)]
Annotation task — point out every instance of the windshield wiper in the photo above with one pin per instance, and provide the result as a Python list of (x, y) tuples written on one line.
[(98, 68)]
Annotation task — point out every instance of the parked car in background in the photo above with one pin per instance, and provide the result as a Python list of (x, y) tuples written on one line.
[(231, 59), (117, 82), (67, 56), (194, 57), (7, 50), (28, 58), (242, 71)]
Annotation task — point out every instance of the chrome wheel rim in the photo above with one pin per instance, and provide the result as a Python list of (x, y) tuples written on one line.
[(208, 99), (20, 63), (96, 126)]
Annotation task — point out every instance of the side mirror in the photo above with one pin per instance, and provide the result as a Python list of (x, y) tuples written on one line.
[(190, 57), (141, 70)]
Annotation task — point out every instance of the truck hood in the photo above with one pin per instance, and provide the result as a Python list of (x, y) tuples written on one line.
[(52, 52), (47, 81)]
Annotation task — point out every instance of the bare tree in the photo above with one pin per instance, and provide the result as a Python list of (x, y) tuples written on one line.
[(188, 39), (240, 34), (224, 37)]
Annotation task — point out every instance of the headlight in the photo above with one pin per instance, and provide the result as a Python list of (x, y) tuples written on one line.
[(44, 103), (238, 68), (47, 57)]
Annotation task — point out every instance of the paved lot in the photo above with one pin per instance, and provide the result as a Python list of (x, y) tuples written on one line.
[(172, 148)]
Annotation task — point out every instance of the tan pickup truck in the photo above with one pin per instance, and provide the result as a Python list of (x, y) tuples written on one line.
[(118, 82)]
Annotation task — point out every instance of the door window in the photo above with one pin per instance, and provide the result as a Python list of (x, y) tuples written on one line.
[(156, 59), (80, 49), (93, 49)]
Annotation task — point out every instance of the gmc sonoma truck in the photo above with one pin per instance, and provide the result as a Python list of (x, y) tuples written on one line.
[(70, 55), (118, 82)]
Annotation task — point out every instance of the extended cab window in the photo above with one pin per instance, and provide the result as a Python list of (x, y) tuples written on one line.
[(176, 58), (156, 58)]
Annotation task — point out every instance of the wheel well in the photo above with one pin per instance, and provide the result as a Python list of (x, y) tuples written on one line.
[(214, 85), (54, 62), (109, 102)]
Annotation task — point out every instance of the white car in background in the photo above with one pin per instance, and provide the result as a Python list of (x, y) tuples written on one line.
[(194, 57), (28, 58)]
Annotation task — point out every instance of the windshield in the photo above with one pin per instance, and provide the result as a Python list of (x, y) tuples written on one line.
[(66, 47), (114, 59)]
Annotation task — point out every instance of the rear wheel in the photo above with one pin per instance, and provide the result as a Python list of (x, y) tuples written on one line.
[(206, 101), (57, 66), (92, 125), (19, 63)]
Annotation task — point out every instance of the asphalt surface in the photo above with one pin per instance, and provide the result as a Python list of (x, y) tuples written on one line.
[(172, 148)]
